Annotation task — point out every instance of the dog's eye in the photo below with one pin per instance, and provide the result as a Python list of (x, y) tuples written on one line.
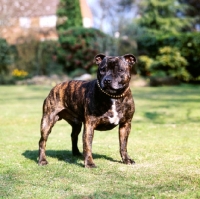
[(120, 70)]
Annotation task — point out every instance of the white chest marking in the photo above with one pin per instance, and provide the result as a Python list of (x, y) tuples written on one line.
[(115, 118)]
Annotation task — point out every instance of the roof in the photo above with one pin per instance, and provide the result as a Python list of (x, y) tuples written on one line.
[(28, 8), (36, 8)]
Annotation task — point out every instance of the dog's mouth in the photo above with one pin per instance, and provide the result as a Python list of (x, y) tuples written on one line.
[(113, 92), (117, 88)]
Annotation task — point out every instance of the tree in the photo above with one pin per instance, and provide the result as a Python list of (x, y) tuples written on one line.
[(192, 10), (69, 14), (163, 16), (77, 45)]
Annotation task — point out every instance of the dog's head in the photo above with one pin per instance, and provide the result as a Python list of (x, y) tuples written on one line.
[(114, 72)]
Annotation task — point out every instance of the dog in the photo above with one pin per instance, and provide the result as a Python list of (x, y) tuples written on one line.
[(100, 104)]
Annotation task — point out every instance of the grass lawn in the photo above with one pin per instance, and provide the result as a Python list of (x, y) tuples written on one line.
[(164, 142)]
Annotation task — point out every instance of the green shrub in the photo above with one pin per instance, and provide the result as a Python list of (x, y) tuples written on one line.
[(6, 61), (189, 45), (28, 55), (6, 80), (39, 59), (186, 43), (5, 57), (144, 65), (78, 46), (148, 44), (47, 58), (169, 62)]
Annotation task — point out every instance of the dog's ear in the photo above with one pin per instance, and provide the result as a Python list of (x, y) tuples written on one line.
[(98, 58), (130, 59)]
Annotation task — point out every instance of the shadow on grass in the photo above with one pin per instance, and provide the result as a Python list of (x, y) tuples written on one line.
[(64, 155)]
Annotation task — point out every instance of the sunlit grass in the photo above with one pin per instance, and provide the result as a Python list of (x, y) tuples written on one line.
[(164, 142)]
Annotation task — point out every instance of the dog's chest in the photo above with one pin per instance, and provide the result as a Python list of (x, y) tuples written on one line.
[(110, 118), (113, 116)]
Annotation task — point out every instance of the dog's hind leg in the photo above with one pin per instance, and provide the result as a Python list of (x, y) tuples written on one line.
[(76, 129), (47, 123)]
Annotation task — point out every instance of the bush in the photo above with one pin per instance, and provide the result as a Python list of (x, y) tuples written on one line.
[(186, 44), (5, 57), (170, 62), (47, 58), (144, 65), (26, 54), (189, 45), (27, 58), (78, 46), (6, 60), (39, 59)]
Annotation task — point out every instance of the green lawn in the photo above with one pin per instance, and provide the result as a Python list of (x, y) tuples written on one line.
[(164, 142)]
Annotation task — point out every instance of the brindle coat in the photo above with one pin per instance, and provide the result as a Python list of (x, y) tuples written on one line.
[(99, 105)]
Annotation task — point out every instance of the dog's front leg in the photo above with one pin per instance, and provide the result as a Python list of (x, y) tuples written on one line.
[(124, 131), (88, 134)]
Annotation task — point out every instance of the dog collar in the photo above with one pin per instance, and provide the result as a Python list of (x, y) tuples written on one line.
[(112, 96)]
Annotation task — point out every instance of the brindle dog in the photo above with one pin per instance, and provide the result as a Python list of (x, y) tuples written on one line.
[(100, 104)]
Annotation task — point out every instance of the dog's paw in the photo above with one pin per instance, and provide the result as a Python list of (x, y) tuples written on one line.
[(90, 166), (129, 161), (42, 162)]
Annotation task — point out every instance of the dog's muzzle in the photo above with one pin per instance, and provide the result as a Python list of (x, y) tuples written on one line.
[(112, 96)]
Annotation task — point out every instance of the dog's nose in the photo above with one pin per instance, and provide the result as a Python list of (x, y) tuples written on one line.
[(107, 81)]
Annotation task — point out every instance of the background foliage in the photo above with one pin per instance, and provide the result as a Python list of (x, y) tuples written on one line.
[(5, 61), (168, 25), (39, 59), (185, 54), (163, 16), (161, 24), (79, 45), (69, 14)]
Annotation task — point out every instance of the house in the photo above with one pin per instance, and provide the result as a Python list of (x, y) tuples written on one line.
[(21, 18)]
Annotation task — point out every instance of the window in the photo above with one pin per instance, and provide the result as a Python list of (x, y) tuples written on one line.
[(48, 21), (24, 22)]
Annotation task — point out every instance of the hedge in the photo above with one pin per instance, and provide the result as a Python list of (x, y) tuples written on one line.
[(188, 44)]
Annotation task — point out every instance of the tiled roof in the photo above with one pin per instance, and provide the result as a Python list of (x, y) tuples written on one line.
[(34, 8), (28, 8)]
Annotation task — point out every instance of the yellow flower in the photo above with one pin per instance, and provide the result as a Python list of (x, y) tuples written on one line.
[(19, 73)]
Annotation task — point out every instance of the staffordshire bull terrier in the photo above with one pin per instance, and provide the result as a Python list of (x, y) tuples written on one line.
[(101, 104)]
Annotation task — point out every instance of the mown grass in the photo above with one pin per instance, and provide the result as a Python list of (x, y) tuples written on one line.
[(164, 142)]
